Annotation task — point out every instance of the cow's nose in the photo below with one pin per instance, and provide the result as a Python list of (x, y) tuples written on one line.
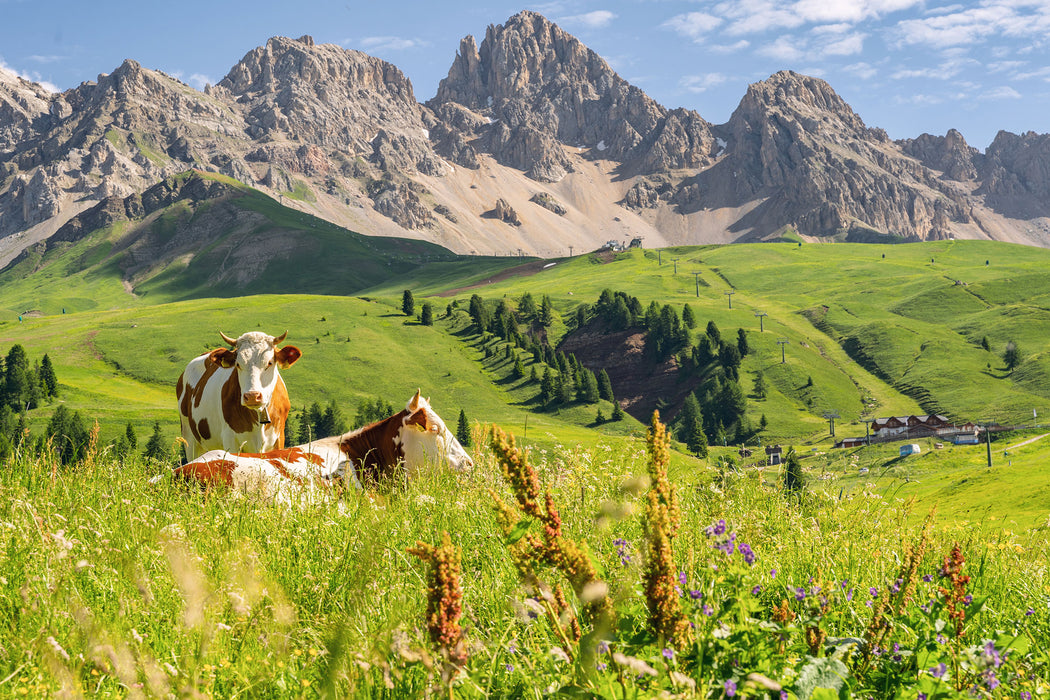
[(252, 398)]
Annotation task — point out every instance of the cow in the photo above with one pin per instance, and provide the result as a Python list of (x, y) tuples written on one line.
[(234, 398), (377, 454)]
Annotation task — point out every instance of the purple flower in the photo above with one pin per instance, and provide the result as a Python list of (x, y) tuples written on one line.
[(928, 578), (941, 639), (696, 595), (1029, 613), (990, 680), (668, 653), (756, 590), (874, 592), (603, 647), (921, 696), (512, 647), (849, 595), (843, 584), (1025, 695), (800, 593), (622, 550), (745, 550), (730, 688), (600, 666), (992, 656), (939, 670), (716, 529), (509, 667), (896, 586), (772, 573), (968, 599), (682, 579), (708, 610), (783, 695)]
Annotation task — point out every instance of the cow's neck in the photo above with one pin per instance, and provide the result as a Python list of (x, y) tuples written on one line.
[(375, 449)]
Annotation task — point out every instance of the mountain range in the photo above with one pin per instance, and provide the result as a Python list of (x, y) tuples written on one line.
[(532, 145)]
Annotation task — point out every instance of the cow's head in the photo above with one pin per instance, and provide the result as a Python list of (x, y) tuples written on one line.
[(255, 357), (424, 436)]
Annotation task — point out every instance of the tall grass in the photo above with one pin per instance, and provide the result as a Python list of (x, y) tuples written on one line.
[(110, 587)]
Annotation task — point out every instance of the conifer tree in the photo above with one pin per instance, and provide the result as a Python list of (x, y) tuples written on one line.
[(408, 303), (48, 379), (794, 480), (426, 316), (155, 449), (463, 429), (605, 389), (688, 318), (617, 413)]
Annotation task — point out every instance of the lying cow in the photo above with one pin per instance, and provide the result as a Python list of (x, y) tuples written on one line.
[(234, 398), (377, 453)]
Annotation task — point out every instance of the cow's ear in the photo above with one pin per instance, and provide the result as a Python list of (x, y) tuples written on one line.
[(418, 418), (287, 356), (224, 357)]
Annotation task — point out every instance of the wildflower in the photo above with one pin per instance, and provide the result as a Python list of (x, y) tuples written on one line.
[(444, 597), (991, 655), (509, 667), (682, 579), (928, 578), (600, 666), (716, 530), (745, 550), (939, 670), (756, 590), (603, 647), (800, 593), (708, 610), (967, 599), (730, 687), (1029, 612), (622, 551), (696, 595), (783, 695), (895, 587), (990, 680), (874, 592), (668, 653), (941, 639), (921, 696), (849, 595), (1025, 695), (772, 573)]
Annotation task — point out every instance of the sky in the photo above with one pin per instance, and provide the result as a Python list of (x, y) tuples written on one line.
[(907, 66)]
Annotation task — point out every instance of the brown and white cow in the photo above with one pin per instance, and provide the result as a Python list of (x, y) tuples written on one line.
[(398, 446), (234, 398)]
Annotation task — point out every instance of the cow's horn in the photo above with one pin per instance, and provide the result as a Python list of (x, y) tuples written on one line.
[(413, 404), (229, 341), (280, 339)]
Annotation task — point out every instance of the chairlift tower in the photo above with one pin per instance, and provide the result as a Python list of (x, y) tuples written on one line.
[(696, 275), (675, 261), (831, 416), (782, 342), (730, 295), (867, 424), (761, 315)]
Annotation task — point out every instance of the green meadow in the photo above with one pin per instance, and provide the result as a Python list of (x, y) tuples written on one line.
[(113, 587)]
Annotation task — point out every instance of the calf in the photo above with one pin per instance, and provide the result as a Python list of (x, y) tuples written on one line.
[(396, 446), (234, 398)]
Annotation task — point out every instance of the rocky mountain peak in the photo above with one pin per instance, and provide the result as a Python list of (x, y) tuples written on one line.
[(542, 89), (949, 153)]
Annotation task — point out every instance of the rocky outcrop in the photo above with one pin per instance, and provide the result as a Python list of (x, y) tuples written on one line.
[(949, 153), (1015, 174), (549, 203), (504, 212), (400, 202)]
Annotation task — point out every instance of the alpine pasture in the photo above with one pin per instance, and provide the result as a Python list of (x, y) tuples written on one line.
[(588, 561)]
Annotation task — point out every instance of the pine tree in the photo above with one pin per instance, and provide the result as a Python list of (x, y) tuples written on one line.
[(689, 418), (688, 318), (1012, 355), (617, 412), (762, 423), (600, 418), (155, 449), (305, 432), (760, 385), (463, 429), (714, 334), (533, 374), (588, 386), (67, 434), (130, 437), (20, 389), (605, 389), (519, 368), (426, 317), (546, 388), (546, 311), (741, 342), (696, 441), (408, 303), (48, 378)]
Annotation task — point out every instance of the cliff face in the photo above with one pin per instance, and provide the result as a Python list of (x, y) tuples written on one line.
[(529, 116)]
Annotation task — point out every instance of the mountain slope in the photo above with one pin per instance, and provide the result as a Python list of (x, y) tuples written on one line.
[(531, 117)]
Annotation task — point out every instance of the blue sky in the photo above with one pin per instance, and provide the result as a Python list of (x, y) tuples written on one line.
[(904, 65)]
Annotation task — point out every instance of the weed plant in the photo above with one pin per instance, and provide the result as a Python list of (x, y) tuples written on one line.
[(112, 587)]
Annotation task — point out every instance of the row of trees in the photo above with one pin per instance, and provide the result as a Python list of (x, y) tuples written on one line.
[(24, 386)]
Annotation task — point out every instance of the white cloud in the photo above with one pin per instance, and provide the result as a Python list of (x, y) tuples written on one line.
[(846, 46), (199, 80), (729, 48), (700, 83), (31, 76), (786, 48), (1004, 66), (390, 43), (1039, 73), (970, 25), (45, 59), (592, 20), (692, 24), (1004, 92), (919, 99), (863, 70)]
